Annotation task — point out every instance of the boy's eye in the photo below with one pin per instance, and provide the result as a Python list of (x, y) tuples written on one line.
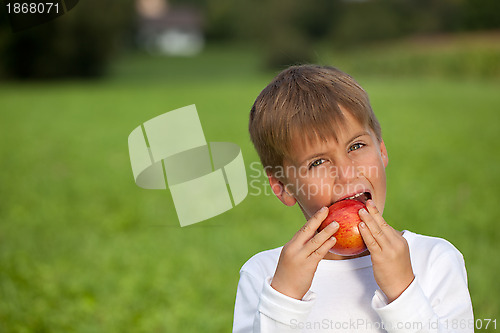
[(317, 162), (356, 146)]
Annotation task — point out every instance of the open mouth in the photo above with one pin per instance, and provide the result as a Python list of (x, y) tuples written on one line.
[(362, 197)]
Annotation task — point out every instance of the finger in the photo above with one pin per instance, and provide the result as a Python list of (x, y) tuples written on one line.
[(309, 229), (321, 251), (370, 241), (372, 208), (376, 231), (317, 241), (377, 216)]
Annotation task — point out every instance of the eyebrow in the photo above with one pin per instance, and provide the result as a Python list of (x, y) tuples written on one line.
[(317, 154)]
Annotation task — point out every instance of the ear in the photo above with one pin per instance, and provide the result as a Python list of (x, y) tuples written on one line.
[(383, 153), (280, 190)]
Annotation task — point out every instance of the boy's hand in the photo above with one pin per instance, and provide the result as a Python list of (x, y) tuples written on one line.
[(389, 251), (301, 255)]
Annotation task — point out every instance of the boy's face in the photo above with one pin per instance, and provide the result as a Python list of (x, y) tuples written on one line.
[(319, 173)]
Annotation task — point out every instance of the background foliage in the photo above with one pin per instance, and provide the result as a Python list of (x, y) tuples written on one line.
[(82, 42)]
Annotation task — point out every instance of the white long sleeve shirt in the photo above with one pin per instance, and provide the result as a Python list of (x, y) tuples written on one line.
[(344, 296)]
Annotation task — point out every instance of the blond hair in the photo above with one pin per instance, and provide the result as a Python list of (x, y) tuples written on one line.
[(304, 101)]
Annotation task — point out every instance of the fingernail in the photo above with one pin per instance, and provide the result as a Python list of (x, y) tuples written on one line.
[(362, 211), (333, 225), (323, 209), (362, 225)]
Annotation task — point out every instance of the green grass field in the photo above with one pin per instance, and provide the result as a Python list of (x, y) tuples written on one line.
[(83, 249)]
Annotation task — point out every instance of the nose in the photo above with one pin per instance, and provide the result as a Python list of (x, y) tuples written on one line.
[(346, 170)]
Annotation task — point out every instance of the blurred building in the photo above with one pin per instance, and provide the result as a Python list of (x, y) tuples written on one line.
[(170, 30)]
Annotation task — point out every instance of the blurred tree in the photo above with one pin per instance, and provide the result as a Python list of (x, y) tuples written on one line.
[(78, 44), (370, 20), (482, 14), (285, 41), (81, 42), (366, 21), (285, 29), (221, 17)]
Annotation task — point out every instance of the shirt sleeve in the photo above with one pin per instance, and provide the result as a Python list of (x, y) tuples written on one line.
[(438, 302), (261, 309)]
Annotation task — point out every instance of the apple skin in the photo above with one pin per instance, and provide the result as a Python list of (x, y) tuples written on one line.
[(349, 240)]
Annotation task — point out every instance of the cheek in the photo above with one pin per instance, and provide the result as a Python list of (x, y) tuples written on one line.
[(314, 193), (377, 162), (372, 169)]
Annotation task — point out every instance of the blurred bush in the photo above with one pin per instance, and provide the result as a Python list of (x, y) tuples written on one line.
[(481, 14), (78, 44), (457, 55), (286, 30), (283, 30), (375, 20)]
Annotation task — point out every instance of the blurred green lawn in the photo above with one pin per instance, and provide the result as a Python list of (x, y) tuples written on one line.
[(83, 249)]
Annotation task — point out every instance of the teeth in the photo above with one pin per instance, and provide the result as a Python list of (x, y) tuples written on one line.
[(356, 195)]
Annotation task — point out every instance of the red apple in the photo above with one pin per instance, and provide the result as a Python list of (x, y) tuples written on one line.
[(345, 213)]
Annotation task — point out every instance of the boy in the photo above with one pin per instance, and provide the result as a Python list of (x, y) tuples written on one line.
[(320, 142)]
